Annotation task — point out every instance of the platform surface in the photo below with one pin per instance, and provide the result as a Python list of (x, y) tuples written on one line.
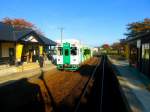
[(29, 72), (134, 85)]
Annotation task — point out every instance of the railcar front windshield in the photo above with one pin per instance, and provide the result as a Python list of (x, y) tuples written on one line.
[(59, 51), (73, 51)]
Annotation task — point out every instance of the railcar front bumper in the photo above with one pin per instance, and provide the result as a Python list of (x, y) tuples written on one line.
[(72, 67)]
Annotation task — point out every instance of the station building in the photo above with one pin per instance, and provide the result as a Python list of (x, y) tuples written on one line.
[(22, 45), (138, 50)]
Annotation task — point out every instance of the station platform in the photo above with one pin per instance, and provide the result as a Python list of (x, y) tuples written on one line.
[(12, 74), (134, 85)]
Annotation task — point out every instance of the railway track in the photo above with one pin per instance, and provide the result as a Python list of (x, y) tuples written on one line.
[(105, 95), (82, 105), (87, 71)]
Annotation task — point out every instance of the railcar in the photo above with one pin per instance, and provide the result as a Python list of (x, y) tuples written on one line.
[(70, 54)]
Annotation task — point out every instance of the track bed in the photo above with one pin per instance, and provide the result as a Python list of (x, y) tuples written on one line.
[(53, 91)]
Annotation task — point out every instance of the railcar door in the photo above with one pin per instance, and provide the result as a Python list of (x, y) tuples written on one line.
[(66, 53)]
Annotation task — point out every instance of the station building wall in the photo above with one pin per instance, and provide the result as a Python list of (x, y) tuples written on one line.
[(140, 56), (6, 48)]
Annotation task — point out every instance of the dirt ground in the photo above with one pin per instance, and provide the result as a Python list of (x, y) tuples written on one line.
[(53, 90)]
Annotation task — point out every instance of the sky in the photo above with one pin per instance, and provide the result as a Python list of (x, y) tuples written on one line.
[(93, 22)]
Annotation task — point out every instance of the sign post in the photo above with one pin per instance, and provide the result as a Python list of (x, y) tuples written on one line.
[(138, 43)]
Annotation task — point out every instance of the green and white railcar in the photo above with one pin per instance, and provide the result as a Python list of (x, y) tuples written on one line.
[(70, 54)]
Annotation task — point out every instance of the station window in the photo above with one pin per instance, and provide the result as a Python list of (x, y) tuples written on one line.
[(59, 51), (145, 51), (73, 51), (11, 52)]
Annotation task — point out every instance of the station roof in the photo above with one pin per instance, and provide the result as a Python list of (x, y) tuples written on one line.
[(129, 39), (12, 34), (47, 41)]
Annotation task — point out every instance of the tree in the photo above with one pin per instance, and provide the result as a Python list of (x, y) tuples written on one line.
[(116, 45), (106, 46), (18, 23), (137, 28)]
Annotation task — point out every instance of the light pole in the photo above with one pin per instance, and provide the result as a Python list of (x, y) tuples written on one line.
[(61, 33)]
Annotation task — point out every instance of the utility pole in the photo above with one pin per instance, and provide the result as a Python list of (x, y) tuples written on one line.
[(61, 33)]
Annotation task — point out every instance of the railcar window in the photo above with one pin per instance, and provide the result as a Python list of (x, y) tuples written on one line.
[(55, 52), (73, 51), (59, 51), (66, 52)]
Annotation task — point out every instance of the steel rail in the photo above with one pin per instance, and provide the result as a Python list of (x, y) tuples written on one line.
[(85, 88), (102, 84)]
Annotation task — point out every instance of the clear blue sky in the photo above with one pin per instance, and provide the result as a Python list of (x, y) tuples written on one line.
[(94, 22)]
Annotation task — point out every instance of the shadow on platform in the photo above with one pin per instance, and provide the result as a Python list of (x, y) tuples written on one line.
[(21, 96)]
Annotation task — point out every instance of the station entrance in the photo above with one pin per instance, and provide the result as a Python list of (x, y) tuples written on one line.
[(30, 53)]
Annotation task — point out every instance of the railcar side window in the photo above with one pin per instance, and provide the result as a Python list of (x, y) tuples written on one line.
[(53, 52), (59, 51), (73, 51)]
